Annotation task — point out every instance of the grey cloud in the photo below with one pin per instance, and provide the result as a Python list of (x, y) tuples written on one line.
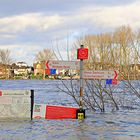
[(13, 7)]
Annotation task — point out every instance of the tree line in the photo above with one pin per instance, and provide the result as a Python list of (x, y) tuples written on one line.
[(114, 50), (118, 50)]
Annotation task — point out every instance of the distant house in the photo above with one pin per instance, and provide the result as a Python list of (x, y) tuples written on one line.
[(20, 71), (16, 69), (21, 64), (39, 67), (21, 68)]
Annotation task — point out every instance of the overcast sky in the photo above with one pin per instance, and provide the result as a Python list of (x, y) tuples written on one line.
[(29, 26)]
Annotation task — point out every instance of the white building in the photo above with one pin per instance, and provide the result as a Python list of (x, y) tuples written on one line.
[(21, 64)]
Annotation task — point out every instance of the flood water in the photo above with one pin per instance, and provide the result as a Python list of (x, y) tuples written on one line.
[(119, 125)]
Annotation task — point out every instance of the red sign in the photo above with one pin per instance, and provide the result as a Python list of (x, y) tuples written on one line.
[(47, 71), (82, 53), (60, 112), (54, 112), (116, 74), (0, 93), (114, 81)]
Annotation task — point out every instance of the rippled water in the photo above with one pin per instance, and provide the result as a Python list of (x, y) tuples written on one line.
[(119, 125)]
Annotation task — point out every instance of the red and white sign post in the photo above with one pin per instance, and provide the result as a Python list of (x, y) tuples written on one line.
[(82, 53), (54, 64), (99, 74)]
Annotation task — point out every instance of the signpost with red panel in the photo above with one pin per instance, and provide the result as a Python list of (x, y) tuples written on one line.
[(82, 53), (99, 74), (54, 64)]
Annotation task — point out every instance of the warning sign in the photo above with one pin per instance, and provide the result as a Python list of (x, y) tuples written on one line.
[(39, 111), (82, 53), (53, 112)]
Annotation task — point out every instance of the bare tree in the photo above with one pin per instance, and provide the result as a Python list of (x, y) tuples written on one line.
[(6, 60), (5, 56), (44, 55), (108, 51)]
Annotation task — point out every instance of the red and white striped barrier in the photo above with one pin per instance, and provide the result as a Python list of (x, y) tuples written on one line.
[(54, 112)]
